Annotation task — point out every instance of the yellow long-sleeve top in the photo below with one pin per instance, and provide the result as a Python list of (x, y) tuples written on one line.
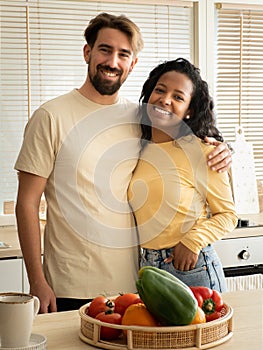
[(170, 193)]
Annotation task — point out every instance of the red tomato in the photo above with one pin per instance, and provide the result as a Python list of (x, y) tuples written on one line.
[(214, 316), (108, 333), (125, 300), (99, 304)]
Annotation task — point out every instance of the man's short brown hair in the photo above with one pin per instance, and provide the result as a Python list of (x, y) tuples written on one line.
[(122, 23)]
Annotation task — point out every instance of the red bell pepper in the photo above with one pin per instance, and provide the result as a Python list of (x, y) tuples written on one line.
[(209, 300), (214, 316)]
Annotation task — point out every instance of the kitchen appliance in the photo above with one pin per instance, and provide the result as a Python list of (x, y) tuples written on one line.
[(241, 254)]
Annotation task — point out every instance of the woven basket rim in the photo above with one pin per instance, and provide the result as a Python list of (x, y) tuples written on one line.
[(160, 329)]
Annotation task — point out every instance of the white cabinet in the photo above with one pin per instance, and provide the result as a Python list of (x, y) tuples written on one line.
[(13, 276), (11, 272), (25, 282)]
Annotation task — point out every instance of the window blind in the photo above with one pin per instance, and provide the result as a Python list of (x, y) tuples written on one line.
[(41, 57), (239, 78)]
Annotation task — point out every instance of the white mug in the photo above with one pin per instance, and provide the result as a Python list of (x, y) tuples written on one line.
[(17, 312)]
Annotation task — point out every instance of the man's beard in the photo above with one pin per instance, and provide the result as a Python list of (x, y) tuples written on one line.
[(105, 87)]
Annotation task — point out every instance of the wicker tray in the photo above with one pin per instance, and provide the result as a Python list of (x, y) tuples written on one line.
[(198, 336)]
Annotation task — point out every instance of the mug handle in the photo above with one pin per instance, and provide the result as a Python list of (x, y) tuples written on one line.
[(36, 305)]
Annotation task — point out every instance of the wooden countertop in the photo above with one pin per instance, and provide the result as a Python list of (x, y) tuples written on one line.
[(62, 329)]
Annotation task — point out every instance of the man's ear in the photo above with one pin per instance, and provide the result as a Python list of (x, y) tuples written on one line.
[(86, 52), (134, 61)]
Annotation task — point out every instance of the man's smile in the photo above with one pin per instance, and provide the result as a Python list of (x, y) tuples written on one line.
[(108, 72)]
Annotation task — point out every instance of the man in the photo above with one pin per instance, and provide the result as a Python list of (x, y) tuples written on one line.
[(80, 150)]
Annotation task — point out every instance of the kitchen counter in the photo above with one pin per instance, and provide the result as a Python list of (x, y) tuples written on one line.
[(8, 235), (62, 329), (252, 231), (255, 228)]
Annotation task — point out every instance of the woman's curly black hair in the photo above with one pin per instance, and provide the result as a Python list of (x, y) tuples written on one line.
[(202, 121)]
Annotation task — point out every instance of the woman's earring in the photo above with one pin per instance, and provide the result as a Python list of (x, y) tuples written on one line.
[(187, 116)]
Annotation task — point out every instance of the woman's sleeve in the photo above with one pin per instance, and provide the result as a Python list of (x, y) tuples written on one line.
[(216, 190)]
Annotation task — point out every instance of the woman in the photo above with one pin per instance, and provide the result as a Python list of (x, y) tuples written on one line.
[(181, 207)]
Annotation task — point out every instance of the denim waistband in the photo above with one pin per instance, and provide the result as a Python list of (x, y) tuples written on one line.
[(162, 254)]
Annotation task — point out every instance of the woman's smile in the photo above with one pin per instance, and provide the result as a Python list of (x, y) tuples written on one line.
[(160, 112)]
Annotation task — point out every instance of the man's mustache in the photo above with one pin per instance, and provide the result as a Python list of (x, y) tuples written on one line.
[(108, 68)]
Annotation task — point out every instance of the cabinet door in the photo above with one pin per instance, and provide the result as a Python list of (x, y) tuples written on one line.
[(26, 286), (11, 275)]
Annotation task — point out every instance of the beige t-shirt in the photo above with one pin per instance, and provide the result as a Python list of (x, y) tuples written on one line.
[(170, 191), (87, 152)]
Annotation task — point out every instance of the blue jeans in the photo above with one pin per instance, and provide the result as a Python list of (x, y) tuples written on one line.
[(208, 271)]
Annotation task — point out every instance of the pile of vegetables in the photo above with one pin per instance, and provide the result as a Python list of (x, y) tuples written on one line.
[(162, 300), (111, 311)]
